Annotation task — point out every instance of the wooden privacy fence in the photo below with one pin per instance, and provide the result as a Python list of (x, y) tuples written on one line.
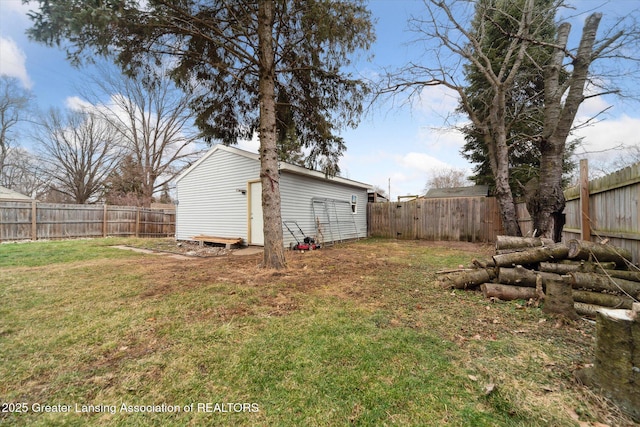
[(32, 220), (471, 219), (607, 207)]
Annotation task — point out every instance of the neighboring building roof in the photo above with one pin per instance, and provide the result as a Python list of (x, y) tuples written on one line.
[(374, 197), (167, 206), (408, 198), (299, 170), (6, 194), (473, 191)]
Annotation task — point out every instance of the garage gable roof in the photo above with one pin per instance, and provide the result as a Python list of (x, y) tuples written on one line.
[(286, 167)]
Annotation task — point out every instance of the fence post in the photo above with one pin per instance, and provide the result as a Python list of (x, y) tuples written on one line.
[(585, 219), (34, 220), (138, 221), (104, 220)]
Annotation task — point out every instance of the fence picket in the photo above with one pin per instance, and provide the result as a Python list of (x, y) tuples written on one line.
[(31, 220), (436, 219)]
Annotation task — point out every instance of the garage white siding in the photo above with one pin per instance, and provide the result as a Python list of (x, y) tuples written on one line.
[(208, 198), (298, 193), (213, 199)]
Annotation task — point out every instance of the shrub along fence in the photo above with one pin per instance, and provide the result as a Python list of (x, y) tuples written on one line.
[(32, 220)]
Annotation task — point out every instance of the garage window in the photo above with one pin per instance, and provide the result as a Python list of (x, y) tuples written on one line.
[(354, 204)]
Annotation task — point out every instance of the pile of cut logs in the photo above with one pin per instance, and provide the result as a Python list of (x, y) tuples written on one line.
[(599, 274)]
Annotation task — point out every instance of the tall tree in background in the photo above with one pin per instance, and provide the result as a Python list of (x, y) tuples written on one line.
[(245, 53), (23, 172), (14, 106), (19, 169), (153, 120), (78, 151), (446, 178), (524, 101), (522, 45)]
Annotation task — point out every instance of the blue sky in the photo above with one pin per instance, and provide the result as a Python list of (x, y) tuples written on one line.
[(396, 142)]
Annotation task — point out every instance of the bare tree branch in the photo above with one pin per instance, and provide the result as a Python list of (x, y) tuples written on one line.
[(153, 122)]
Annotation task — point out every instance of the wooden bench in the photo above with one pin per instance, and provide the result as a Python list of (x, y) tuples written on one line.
[(228, 242)]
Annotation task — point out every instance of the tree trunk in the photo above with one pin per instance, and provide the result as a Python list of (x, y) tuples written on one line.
[(467, 279), (583, 250), (499, 161), (617, 358), (507, 292), (513, 242), (599, 282), (521, 276), (273, 255), (532, 256), (147, 195), (604, 300), (545, 199), (544, 196)]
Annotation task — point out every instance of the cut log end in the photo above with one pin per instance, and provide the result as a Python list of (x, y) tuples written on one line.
[(615, 369), (559, 299)]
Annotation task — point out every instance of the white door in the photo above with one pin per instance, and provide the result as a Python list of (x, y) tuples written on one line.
[(256, 223)]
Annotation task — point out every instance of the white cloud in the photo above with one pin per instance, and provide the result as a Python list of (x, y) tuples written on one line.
[(420, 162), (76, 103), (603, 139), (441, 139), (409, 172), (13, 61), (252, 145), (16, 6), (592, 107), (437, 101)]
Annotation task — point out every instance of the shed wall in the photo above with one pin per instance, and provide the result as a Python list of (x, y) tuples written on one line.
[(208, 200), (297, 193), (209, 203)]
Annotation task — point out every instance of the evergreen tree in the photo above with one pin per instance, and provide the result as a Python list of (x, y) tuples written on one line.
[(524, 101), (247, 54), (125, 184)]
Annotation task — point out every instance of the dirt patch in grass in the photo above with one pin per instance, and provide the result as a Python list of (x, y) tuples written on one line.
[(496, 340), (187, 248), (399, 276), (207, 250)]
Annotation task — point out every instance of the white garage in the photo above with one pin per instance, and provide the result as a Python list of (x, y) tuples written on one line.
[(220, 195)]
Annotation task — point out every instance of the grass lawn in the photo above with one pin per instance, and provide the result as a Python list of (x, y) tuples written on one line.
[(356, 334)]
